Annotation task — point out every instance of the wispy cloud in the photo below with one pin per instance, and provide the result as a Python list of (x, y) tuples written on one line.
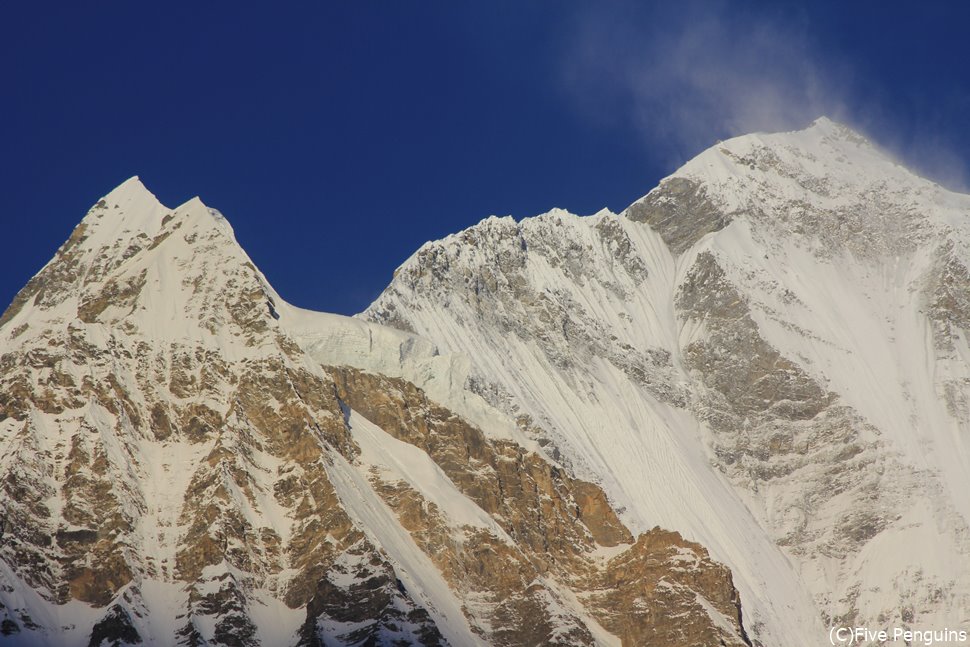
[(923, 149), (684, 75), (687, 77)]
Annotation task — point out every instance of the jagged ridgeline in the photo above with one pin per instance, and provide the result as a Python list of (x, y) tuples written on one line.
[(723, 416), (179, 469), (767, 353)]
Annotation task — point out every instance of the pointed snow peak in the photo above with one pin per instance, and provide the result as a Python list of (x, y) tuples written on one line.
[(130, 189), (193, 203), (823, 127), (835, 134), (127, 211), (823, 160), (798, 182), (132, 198), (824, 146), (132, 259), (131, 211), (202, 216), (192, 211)]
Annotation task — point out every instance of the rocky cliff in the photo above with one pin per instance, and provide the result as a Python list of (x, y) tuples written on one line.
[(768, 352), (734, 414), (183, 463)]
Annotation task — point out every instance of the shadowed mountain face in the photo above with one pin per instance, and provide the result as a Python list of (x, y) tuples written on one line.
[(723, 417), (183, 462)]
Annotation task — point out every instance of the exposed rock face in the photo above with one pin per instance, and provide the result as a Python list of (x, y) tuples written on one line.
[(115, 628), (948, 296), (767, 355), (680, 211), (541, 283), (372, 608), (176, 439), (786, 313), (541, 507), (734, 360), (178, 470), (551, 529), (777, 431), (668, 573)]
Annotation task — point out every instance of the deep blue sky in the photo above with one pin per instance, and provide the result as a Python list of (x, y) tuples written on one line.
[(338, 137)]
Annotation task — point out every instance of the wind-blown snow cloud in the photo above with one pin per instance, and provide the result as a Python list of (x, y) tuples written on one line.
[(690, 76), (686, 75), (930, 155)]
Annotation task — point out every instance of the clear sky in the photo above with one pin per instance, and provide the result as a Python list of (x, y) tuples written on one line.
[(337, 137)]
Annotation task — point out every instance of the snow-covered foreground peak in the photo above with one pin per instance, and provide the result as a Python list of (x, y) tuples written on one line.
[(768, 352), (135, 263), (131, 212), (185, 459)]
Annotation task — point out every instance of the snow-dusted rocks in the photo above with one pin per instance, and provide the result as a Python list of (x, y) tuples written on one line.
[(164, 452), (768, 353), (185, 459), (736, 413)]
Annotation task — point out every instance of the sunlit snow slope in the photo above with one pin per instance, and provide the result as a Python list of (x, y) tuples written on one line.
[(186, 459), (769, 353)]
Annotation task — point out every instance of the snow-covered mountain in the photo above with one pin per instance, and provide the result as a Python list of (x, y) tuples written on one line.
[(185, 459), (736, 413), (768, 353)]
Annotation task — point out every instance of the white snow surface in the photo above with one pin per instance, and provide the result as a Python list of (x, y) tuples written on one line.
[(564, 329), (831, 245), (187, 262), (411, 564), (647, 455)]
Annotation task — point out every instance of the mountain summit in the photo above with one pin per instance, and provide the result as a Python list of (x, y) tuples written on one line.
[(188, 460), (724, 416), (768, 352)]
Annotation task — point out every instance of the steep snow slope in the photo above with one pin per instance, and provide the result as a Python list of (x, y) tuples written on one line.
[(571, 360), (171, 439), (855, 269), (185, 459), (768, 353)]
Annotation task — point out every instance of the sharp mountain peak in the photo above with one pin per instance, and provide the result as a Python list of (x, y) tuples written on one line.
[(187, 459)]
